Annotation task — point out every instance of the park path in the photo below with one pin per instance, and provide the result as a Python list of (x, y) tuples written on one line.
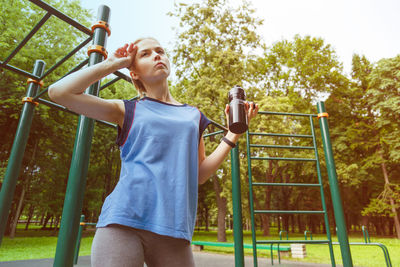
[(202, 259)]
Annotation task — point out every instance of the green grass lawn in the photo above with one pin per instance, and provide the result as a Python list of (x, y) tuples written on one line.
[(36, 244)]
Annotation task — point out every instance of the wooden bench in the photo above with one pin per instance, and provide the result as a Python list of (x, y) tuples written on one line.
[(199, 245)]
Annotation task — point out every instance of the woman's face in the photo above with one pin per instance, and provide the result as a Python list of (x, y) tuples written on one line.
[(151, 63)]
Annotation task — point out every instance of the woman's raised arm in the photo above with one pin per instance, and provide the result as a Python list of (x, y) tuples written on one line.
[(69, 91)]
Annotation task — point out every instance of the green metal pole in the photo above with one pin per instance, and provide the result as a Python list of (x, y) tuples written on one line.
[(78, 240), (251, 202), (73, 202), (334, 188), (237, 208), (17, 150)]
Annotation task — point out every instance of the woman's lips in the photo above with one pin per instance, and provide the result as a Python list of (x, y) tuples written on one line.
[(160, 64)]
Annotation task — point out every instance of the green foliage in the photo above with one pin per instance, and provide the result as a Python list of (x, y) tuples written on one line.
[(217, 47), (305, 67), (50, 143)]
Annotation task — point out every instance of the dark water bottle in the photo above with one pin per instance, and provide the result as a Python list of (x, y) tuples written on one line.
[(237, 110)]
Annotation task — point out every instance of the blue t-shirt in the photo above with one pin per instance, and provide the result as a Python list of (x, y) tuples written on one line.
[(157, 189)]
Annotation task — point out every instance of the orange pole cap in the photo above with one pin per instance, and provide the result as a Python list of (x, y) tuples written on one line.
[(29, 99), (30, 80), (323, 114), (102, 24), (97, 48)]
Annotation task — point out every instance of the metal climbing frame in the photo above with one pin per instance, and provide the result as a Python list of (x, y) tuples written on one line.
[(80, 160), (342, 233)]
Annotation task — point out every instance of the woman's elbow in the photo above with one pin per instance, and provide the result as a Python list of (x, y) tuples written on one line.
[(56, 94), (53, 93), (202, 180)]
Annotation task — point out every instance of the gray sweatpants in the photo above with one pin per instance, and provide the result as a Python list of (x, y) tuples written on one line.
[(122, 246)]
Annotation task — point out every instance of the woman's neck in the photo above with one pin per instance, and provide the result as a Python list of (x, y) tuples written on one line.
[(160, 92)]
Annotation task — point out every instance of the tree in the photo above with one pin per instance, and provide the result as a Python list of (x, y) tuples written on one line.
[(18, 18), (296, 72), (384, 98), (211, 57)]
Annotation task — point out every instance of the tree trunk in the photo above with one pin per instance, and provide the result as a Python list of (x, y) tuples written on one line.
[(207, 219), (46, 220), (17, 214), (30, 215), (221, 204), (391, 224), (269, 177), (392, 204)]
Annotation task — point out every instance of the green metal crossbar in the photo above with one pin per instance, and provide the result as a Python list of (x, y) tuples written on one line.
[(27, 37), (279, 158), (317, 184), (70, 54), (286, 184), (224, 244), (283, 147)]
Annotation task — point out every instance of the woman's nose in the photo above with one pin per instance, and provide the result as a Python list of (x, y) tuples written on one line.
[(157, 56)]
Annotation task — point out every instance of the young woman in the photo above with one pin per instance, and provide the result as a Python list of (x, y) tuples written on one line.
[(150, 215)]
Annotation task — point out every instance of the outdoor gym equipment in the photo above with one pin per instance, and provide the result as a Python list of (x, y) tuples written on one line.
[(80, 158)]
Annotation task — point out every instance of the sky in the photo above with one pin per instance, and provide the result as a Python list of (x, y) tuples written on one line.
[(366, 27)]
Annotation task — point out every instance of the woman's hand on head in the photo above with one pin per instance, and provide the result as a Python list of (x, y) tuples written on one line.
[(124, 56)]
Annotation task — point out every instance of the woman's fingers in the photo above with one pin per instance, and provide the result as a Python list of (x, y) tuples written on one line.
[(252, 110)]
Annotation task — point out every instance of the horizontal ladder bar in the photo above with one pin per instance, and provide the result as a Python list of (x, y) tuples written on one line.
[(289, 211), (70, 54), (292, 241), (285, 184), (109, 83), (28, 37), (282, 135), (62, 108), (19, 71), (284, 113), (278, 158), (122, 76), (214, 133), (62, 16), (282, 147), (79, 66)]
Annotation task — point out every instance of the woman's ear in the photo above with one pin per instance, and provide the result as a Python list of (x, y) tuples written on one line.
[(134, 76)]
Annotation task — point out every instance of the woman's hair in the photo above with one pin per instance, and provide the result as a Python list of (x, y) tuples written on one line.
[(137, 83)]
